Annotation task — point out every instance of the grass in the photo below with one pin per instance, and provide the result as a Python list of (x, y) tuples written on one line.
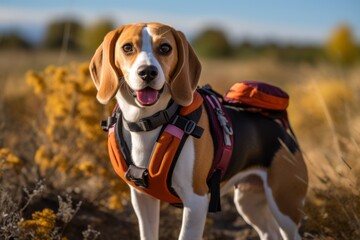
[(324, 110)]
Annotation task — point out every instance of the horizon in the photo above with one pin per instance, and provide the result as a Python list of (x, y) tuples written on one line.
[(304, 22)]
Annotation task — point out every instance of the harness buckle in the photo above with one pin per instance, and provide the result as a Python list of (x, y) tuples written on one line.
[(145, 124), (107, 124), (189, 127), (137, 175)]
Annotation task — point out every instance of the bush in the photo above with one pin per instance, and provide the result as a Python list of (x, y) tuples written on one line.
[(13, 41), (93, 36), (73, 155), (45, 224), (212, 43)]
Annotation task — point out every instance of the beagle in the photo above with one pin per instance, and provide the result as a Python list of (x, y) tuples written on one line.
[(146, 66)]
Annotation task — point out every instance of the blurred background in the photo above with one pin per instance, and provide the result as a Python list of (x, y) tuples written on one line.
[(55, 177)]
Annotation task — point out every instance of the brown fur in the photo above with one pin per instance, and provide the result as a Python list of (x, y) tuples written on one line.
[(182, 67), (103, 70), (204, 153), (288, 178)]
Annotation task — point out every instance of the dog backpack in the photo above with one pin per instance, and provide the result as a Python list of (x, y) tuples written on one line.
[(257, 94), (259, 97)]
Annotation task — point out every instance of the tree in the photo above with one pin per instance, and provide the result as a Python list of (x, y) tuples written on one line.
[(341, 46), (92, 36), (212, 43), (62, 33), (13, 40)]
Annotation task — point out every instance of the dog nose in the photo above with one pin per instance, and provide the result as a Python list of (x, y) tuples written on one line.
[(148, 73)]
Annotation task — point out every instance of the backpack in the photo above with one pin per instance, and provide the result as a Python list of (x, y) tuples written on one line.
[(254, 95)]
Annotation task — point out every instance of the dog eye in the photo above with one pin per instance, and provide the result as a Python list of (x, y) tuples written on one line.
[(128, 48), (165, 49)]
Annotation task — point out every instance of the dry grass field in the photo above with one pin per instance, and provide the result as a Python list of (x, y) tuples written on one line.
[(51, 145)]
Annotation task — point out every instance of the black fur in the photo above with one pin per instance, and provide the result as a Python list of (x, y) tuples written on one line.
[(256, 140)]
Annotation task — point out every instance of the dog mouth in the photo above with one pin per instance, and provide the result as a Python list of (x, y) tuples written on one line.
[(147, 96)]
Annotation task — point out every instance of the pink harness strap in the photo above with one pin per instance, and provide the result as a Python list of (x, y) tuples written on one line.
[(175, 131)]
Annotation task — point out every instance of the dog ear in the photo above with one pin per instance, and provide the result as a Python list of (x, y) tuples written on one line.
[(186, 75), (103, 71)]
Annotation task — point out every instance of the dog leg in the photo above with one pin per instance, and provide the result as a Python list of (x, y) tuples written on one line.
[(194, 217), (285, 190), (288, 229), (195, 205), (251, 203), (147, 210)]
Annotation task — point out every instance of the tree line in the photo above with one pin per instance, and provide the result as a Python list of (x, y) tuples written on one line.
[(69, 34), (340, 46)]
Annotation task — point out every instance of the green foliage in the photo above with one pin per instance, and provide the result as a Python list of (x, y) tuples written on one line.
[(287, 53), (74, 36), (212, 43), (62, 32), (92, 36), (13, 40)]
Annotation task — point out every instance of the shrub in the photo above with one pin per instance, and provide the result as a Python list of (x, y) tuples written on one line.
[(72, 155), (45, 224), (13, 40)]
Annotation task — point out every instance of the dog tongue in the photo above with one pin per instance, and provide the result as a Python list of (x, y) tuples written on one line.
[(147, 96)]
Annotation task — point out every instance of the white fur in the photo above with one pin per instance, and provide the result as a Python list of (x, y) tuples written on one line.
[(134, 113), (147, 210), (195, 206), (145, 58)]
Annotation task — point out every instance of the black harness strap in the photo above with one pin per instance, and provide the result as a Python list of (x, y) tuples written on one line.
[(192, 117), (152, 122), (214, 186), (188, 125)]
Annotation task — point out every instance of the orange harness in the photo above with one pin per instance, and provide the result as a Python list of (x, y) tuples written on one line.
[(156, 179), (178, 124)]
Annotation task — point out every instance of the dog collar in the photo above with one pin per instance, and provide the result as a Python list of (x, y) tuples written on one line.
[(152, 122)]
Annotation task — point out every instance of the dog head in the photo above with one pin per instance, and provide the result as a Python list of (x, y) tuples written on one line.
[(145, 63)]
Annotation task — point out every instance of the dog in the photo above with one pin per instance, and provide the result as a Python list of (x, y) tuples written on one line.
[(145, 66)]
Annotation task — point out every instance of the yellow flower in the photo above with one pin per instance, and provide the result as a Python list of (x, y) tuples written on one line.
[(71, 129), (42, 159), (41, 224), (87, 168), (115, 202), (36, 81), (8, 160)]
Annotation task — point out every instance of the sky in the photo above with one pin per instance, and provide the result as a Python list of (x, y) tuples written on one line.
[(300, 21)]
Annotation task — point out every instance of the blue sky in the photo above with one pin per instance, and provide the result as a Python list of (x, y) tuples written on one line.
[(291, 20)]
